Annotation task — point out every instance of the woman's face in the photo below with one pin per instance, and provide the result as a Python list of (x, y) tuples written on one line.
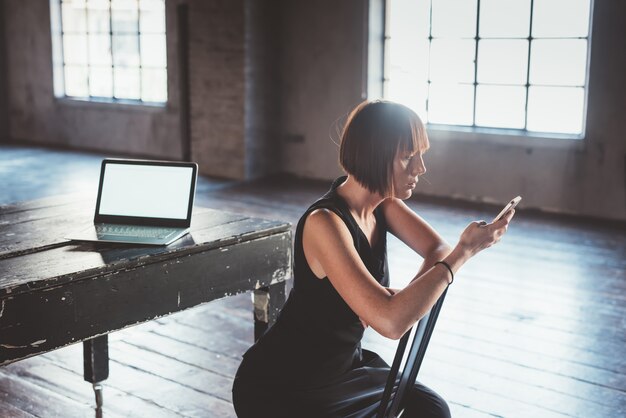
[(407, 166)]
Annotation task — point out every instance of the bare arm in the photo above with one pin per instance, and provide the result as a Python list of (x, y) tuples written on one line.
[(329, 246), (415, 232)]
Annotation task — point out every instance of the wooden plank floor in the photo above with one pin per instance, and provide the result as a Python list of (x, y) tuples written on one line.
[(534, 327)]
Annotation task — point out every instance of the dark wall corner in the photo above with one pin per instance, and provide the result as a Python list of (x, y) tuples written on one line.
[(4, 109), (262, 95)]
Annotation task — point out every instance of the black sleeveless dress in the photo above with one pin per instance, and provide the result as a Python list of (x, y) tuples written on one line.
[(310, 363)]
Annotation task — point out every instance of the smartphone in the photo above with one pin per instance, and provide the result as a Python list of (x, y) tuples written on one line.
[(508, 207)]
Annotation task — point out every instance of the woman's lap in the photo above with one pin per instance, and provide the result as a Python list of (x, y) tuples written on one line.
[(355, 394), (424, 402)]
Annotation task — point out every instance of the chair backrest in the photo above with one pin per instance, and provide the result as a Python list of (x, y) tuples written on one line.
[(392, 396)]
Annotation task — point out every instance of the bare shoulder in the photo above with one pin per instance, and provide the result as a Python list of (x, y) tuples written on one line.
[(324, 222), (392, 202), (327, 243), (392, 206)]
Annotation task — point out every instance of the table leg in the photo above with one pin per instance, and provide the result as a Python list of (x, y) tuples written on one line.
[(267, 303), (96, 364)]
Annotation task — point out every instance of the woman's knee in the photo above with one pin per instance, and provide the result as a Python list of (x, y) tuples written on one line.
[(424, 402)]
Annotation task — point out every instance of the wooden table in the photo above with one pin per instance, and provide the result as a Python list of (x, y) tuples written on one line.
[(55, 292)]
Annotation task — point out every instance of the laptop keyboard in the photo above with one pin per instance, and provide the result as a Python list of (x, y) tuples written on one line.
[(134, 231)]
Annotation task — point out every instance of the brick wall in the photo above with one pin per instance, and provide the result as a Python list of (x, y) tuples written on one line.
[(37, 116), (217, 86), (233, 99)]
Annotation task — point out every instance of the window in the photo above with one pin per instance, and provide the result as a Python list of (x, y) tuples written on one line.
[(512, 64), (109, 49)]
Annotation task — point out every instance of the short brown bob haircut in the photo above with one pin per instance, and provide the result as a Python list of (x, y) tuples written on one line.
[(374, 133)]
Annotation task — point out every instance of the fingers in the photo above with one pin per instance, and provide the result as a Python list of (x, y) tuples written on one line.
[(503, 224), (478, 224), (509, 215), (480, 234), (500, 227), (505, 219)]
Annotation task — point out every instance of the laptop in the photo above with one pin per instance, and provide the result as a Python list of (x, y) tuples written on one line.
[(142, 202)]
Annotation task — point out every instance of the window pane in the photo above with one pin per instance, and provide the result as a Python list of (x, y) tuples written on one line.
[(152, 16), (124, 16), (409, 20), (126, 50), (76, 81), (56, 16), (74, 17), (555, 109), (98, 4), (452, 60), (404, 88), (454, 18), (409, 57), (99, 50), (561, 18), (153, 51), (75, 49), (100, 46), (126, 83), (154, 85), (98, 16), (504, 18), (502, 61), (451, 104), (561, 62), (506, 61), (101, 81), (500, 106), (58, 72)]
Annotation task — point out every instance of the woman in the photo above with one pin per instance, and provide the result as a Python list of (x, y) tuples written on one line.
[(310, 363)]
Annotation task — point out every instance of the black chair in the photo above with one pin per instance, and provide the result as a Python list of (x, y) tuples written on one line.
[(392, 398)]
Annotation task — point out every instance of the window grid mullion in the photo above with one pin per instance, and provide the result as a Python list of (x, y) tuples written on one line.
[(430, 41), (139, 49), (87, 58), (63, 50), (112, 49), (385, 47), (477, 38), (530, 44)]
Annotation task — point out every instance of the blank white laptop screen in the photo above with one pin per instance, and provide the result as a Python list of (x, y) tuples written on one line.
[(146, 191)]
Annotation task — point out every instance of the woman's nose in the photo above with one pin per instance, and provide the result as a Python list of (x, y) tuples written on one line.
[(418, 168)]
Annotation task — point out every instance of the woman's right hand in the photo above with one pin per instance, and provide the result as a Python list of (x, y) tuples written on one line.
[(480, 235)]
